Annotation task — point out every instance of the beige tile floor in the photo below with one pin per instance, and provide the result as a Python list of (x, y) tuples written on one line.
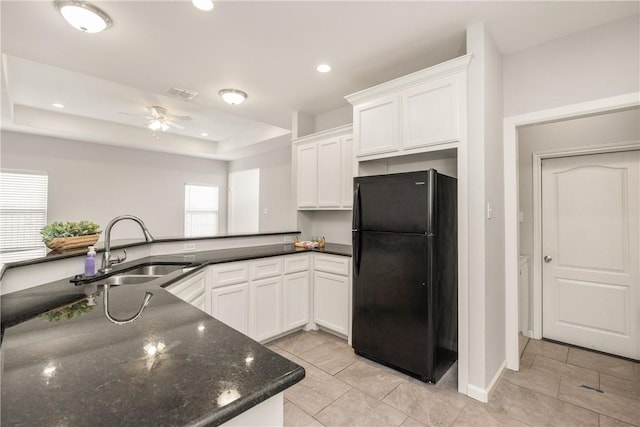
[(342, 389)]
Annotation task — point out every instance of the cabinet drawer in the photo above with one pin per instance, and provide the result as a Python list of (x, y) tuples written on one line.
[(264, 268), (296, 263), (331, 264), (229, 274)]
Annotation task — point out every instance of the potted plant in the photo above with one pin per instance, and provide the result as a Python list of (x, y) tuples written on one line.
[(68, 235)]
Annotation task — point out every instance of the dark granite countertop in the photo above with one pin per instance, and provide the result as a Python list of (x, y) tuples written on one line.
[(128, 243), (175, 365)]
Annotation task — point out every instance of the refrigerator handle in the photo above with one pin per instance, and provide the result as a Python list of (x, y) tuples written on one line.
[(355, 225), (356, 253)]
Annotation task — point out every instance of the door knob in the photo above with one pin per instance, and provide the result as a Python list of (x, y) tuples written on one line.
[(547, 258)]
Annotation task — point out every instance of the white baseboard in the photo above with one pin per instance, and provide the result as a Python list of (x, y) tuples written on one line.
[(482, 394)]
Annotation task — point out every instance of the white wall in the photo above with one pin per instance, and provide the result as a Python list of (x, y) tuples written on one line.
[(486, 236), (334, 118), (276, 195), (334, 226), (594, 64), (99, 182)]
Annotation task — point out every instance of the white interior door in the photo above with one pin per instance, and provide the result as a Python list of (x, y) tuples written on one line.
[(591, 289), (244, 201)]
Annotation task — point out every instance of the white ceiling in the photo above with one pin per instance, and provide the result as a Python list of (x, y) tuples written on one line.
[(268, 49)]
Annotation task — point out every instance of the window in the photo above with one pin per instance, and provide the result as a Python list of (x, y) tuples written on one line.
[(23, 212), (200, 210)]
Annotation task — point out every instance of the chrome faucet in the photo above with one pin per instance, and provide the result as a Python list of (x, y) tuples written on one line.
[(107, 260)]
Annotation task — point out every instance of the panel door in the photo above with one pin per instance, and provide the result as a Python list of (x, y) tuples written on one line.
[(376, 126), (331, 301), (347, 172), (265, 308), (295, 297), (591, 280), (329, 171), (307, 175), (230, 304), (431, 114)]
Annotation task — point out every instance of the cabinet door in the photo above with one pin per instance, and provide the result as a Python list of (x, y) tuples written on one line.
[(191, 290), (347, 172), (376, 126), (295, 297), (307, 175), (431, 113), (230, 304), (265, 308), (329, 171), (331, 301)]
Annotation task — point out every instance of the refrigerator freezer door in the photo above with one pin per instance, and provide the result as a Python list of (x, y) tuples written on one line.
[(401, 203), (392, 306)]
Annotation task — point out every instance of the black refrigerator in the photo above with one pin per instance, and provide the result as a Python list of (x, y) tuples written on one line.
[(405, 272)]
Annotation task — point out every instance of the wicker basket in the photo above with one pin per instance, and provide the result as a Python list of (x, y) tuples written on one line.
[(63, 243)]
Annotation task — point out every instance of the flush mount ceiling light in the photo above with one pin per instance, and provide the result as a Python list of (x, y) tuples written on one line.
[(84, 16), (205, 5), (323, 68), (233, 96), (58, 105)]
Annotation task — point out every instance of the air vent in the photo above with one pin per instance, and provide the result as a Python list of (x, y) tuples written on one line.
[(183, 93)]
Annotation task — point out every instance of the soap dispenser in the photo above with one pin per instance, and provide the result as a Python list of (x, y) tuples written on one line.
[(90, 262)]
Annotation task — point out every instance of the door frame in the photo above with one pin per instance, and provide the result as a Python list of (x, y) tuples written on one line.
[(536, 256), (511, 205)]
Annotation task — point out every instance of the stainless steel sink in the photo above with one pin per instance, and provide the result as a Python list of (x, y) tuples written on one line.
[(143, 273), (128, 279), (154, 270)]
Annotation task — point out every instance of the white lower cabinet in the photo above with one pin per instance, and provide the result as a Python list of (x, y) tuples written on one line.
[(331, 296), (265, 308), (191, 290), (295, 300), (267, 297), (230, 305), (331, 301)]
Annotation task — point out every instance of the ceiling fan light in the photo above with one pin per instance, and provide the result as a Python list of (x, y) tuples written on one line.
[(205, 5), (156, 125), (84, 16), (233, 96)]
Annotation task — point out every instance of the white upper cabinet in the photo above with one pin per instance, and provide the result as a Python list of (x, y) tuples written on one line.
[(324, 169), (307, 159), (377, 124), (420, 112), (329, 159), (431, 113)]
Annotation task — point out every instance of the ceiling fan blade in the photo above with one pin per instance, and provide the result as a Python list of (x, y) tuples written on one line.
[(175, 125), (179, 117)]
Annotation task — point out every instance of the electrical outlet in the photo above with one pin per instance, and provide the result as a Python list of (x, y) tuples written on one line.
[(189, 258), (189, 246), (288, 239)]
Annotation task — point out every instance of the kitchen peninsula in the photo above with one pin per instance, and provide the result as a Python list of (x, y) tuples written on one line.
[(65, 362)]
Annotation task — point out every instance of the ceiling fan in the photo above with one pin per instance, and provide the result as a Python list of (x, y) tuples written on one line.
[(159, 119)]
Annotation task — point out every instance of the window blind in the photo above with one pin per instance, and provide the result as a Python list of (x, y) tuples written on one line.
[(200, 210), (23, 212)]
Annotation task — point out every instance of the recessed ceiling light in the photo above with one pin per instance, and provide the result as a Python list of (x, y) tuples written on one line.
[(58, 105), (233, 96), (323, 68), (205, 5), (204, 134), (84, 16)]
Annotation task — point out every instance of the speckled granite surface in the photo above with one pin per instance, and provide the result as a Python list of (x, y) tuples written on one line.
[(175, 365)]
